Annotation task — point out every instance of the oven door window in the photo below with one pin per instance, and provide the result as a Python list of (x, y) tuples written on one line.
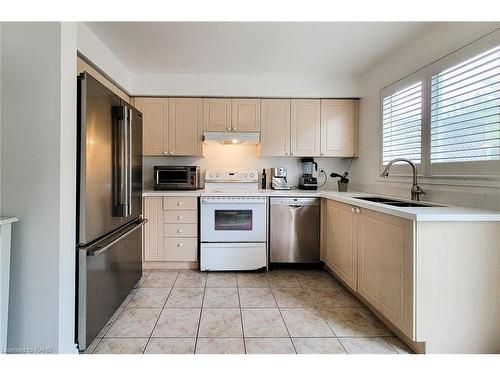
[(172, 176), (233, 219)]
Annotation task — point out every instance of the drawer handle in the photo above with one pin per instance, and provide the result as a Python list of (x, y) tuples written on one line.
[(179, 244), (179, 230), (179, 217), (179, 203)]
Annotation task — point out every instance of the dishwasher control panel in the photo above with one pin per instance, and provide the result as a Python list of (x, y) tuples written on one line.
[(297, 201)]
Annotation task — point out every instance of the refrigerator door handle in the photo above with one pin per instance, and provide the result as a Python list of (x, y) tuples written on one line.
[(98, 248), (129, 161), (121, 161)]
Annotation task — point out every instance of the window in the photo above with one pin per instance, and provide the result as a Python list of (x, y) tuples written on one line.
[(465, 110), (402, 123), (446, 117)]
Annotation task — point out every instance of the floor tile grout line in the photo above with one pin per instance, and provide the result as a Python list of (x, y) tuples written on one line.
[(159, 315), (284, 323), (201, 313), (241, 316)]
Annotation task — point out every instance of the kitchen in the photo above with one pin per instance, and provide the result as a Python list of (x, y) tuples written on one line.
[(217, 212)]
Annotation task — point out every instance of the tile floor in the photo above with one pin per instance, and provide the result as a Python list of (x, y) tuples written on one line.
[(282, 311)]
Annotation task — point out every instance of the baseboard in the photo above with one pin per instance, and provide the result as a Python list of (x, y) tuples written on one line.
[(169, 265)]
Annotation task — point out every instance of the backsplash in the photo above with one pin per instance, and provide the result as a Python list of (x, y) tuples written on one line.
[(244, 156)]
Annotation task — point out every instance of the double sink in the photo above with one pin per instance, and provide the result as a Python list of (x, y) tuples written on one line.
[(395, 202)]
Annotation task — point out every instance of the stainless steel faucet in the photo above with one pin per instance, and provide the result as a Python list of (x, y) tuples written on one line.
[(416, 191)]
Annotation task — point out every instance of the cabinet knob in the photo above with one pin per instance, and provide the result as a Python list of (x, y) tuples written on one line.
[(286, 153), (179, 217), (234, 128), (179, 244), (165, 152), (291, 153), (170, 153), (352, 209), (321, 154), (358, 210), (228, 129), (179, 230), (179, 203)]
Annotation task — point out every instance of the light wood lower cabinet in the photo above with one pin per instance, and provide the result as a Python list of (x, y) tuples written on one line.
[(385, 266), (372, 253), (341, 239), (171, 233), (153, 230)]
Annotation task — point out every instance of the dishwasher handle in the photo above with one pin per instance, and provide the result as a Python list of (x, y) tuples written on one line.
[(295, 207)]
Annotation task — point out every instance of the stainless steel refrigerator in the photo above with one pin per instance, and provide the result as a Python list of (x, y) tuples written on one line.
[(109, 205)]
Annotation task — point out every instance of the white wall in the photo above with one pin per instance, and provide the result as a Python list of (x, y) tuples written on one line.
[(243, 156), (405, 60), (38, 149), (90, 46), (245, 85)]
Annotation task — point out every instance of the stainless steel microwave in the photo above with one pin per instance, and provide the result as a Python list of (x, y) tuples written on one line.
[(176, 177)]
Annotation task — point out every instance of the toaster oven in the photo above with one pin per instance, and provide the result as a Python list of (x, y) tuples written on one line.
[(176, 177)]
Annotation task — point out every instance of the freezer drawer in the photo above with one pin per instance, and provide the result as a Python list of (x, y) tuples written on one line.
[(232, 256), (107, 272), (294, 230)]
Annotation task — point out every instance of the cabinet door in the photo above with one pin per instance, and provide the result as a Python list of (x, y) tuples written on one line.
[(185, 126), (153, 230), (341, 242), (305, 127), (217, 114), (154, 125), (385, 266), (245, 115), (338, 127), (275, 127)]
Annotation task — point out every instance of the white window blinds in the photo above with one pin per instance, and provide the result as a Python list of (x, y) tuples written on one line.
[(465, 111), (402, 123)]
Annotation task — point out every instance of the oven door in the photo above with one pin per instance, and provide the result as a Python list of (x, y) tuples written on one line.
[(230, 219)]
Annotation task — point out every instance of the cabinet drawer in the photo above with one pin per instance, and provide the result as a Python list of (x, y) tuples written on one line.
[(180, 230), (180, 217), (180, 249), (180, 203)]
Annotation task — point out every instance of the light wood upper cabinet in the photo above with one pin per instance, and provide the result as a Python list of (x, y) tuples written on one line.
[(217, 114), (385, 266), (185, 126), (154, 125), (275, 127), (305, 127), (340, 251), (153, 229), (339, 127), (245, 114)]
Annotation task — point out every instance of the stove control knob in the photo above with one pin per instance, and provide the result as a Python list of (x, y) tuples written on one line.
[(211, 174), (245, 175), (217, 175), (252, 175)]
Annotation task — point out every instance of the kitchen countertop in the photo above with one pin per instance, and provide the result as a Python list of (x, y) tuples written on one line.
[(442, 212)]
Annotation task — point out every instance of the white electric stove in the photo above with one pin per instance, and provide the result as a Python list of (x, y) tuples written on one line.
[(233, 221)]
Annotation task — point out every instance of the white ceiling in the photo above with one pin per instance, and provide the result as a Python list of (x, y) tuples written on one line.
[(334, 48)]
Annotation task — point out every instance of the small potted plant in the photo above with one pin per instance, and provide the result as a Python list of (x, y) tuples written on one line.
[(343, 180)]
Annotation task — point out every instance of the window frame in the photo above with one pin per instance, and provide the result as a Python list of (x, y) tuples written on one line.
[(473, 170)]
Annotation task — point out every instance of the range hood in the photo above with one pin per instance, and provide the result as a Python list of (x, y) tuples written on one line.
[(232, 138)]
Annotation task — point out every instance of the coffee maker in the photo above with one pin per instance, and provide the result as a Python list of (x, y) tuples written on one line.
[(307, 181), (278, 179)]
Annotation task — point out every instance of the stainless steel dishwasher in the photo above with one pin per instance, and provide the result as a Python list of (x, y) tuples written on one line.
[(294, 230)]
